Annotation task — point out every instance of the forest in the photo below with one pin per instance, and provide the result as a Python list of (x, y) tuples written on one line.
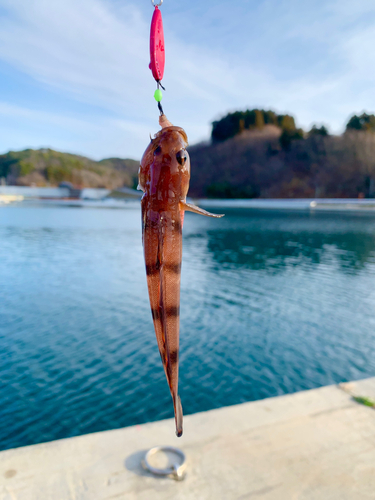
[(46, 167), (252, 153), (258, 153)]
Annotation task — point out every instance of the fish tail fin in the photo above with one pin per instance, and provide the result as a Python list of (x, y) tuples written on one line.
[(178, 415), (193, 208)]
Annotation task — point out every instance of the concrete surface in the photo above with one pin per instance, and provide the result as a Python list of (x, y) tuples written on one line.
[(313, 445)]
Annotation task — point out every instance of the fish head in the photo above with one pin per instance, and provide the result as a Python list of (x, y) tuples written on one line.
[(164, 172)]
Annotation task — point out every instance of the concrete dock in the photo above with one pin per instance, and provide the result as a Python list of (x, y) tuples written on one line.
[(313, 445)]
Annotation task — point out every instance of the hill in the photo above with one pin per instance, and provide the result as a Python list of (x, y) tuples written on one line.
[(46, 167), (252, 153), (279, 160)]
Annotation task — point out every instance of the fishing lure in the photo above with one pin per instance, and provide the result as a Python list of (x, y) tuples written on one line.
[(164, 176), (157, 52)]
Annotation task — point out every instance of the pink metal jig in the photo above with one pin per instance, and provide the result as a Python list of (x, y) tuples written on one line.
[(157, 49)]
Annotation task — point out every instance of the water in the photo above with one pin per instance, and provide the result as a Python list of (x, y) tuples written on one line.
[(272, 303)]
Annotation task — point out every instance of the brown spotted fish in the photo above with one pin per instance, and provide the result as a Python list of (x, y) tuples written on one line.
[(164, 176)]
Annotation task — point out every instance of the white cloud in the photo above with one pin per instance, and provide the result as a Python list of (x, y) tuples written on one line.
[(80, 47), (98, 138)]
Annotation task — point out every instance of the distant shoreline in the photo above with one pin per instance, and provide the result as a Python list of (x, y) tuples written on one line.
[(310, 204), (348, 204)]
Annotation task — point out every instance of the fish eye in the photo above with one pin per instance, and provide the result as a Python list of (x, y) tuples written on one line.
[(157, 151), (181, 157)]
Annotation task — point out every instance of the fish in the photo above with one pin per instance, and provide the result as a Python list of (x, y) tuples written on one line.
[(164, 175)]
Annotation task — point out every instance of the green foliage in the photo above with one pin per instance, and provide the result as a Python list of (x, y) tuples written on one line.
[(270, 118), (234, 123), (364, 401), (25, 167), (58, 173), (286, 122), (6, 165), (229, 126), (362, 122), (53, 167), (288, 135), (259, 119), (323, 131), (285, 164)]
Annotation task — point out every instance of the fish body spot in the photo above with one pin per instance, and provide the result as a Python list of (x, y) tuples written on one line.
[(173, 357), (172, 268), (170, 312), (155, 314), (152, 269)]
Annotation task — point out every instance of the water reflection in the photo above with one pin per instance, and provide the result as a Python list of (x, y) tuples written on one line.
[(273, 242)]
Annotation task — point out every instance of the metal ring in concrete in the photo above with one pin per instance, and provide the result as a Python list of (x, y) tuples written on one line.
[(177, 471)]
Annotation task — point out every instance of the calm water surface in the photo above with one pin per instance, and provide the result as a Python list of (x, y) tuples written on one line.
[(272, 303)]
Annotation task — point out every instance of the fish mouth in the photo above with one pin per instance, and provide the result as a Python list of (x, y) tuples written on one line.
[(167, 130)]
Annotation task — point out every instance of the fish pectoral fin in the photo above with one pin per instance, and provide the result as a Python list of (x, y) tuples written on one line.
[(193, 208)]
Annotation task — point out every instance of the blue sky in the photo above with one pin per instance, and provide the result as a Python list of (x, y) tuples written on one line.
[(74, 74)]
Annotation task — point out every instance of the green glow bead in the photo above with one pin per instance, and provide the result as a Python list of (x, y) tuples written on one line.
[(158, 95)]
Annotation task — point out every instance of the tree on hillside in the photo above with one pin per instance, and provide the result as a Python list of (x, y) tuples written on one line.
[(286, 122), (47, 167), (288, 135), (318, 131), (252, 119), (319, 165), (364, 122), (259, 118), (270, 118), (227, 127)]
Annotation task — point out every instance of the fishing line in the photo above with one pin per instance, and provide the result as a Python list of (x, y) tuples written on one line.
[(157, 52)]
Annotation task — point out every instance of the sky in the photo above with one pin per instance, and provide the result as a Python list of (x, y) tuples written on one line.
[(74, 74)]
